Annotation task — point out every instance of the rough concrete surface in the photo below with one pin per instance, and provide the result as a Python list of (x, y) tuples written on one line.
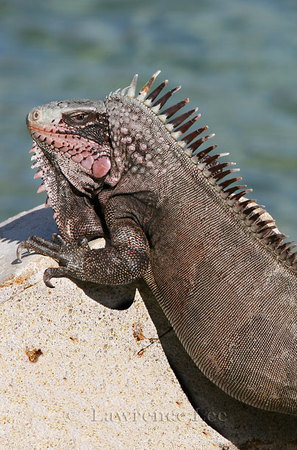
[(77, 375)]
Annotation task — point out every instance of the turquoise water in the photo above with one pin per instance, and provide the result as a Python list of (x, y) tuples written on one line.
[(236, 59)]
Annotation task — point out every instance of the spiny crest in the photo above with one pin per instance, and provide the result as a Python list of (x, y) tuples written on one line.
[(252, 215)]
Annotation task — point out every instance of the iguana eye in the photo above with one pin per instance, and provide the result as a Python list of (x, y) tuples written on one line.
[(80, 118)]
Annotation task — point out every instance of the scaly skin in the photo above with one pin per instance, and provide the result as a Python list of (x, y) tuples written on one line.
[(225, 277)]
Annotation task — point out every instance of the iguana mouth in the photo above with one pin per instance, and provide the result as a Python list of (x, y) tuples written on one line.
[(92, 157)]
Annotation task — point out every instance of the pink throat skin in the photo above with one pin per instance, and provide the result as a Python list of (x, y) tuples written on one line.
[(92, 157)]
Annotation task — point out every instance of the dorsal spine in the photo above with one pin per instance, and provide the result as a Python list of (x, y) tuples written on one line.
[(252, 215)]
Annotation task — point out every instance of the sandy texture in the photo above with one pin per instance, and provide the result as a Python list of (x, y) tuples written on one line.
[(77, 375)]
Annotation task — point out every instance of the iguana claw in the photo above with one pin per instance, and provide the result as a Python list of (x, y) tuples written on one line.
[(69, 255), (20, 248), (53, 272), (43, 247)]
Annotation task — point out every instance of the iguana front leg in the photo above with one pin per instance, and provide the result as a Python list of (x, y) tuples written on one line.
[(123, 262)]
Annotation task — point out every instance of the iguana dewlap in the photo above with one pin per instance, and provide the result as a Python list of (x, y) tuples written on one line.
[(127, 169)]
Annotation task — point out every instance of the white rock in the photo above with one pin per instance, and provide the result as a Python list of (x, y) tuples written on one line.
[(101, 378)]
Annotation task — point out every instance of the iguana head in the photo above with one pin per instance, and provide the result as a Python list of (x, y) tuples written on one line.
[(72, 141)]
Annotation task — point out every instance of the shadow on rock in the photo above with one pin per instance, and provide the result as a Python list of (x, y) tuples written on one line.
[(113, 297), (38, 221)]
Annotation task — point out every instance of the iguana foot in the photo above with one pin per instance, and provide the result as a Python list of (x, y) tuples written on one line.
[(70, 256)]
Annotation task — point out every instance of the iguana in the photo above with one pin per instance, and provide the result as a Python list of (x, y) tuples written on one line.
[(128, 170)]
